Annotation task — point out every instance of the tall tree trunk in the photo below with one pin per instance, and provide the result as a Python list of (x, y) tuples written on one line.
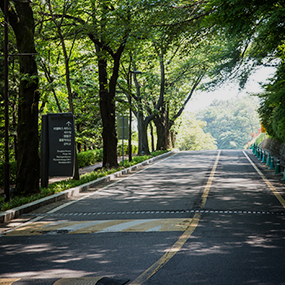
[(142, 130), (28, 164), (163, 130)]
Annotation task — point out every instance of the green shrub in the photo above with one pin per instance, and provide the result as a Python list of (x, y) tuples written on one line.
[(89, 157), (126, 149), (141, 158)]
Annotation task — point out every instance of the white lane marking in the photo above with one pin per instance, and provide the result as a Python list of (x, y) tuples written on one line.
[(155, 229), (272, 188), (83, 225), (123, 226)]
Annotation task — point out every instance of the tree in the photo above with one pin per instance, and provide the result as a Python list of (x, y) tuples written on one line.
[(190, 134), (22, 21), (272, 105), (231, 122), (253, 31), (257, 32)]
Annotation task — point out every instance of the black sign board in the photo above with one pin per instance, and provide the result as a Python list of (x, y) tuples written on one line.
[(58, 145)]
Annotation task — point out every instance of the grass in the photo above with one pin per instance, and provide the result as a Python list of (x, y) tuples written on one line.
[(70, 183)]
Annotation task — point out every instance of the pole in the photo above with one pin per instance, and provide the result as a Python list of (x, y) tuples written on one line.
[(6, 102), (130, 121), (130, 132), (123, 138)]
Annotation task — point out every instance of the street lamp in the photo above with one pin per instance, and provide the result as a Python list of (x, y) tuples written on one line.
[(130, 124), (6, 103)]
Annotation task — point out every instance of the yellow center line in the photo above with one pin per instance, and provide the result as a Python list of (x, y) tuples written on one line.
[(182, 239), (8, 281), (272, 188), (210, 181)]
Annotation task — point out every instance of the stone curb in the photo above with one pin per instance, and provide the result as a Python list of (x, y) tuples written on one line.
[(16, 212)]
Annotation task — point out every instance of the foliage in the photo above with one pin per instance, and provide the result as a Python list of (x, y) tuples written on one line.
[(231, 122), (257, 140), (176, 44), (272, 106), (89, 157), (253, 31), (190, 134), (126, 148), (141, 158), (256, 33)]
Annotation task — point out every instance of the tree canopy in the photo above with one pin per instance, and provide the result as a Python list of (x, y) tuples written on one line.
[(85, 56), (231, 122)]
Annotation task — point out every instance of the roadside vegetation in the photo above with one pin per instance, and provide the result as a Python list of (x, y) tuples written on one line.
[(190, 134), (139, 58), (232, 122)]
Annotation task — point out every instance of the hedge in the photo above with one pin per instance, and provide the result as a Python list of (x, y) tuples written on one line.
[(85, 158), (89, 157)]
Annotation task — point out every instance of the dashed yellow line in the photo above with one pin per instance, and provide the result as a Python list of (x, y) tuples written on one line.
[(8, 281)]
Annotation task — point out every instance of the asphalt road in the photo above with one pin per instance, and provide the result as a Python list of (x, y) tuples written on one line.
[(193, 218)]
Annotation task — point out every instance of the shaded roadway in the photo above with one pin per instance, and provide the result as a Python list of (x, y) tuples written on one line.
[(239, 238)]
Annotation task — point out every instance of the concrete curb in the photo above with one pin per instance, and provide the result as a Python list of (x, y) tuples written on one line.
[(16, 212)]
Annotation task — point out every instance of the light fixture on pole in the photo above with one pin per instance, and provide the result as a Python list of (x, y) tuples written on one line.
[(6, 102), (130, 123)]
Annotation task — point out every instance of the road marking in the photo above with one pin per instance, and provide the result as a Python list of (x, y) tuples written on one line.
[(40, 217), (183, 238), (8, 281), (102, 226), (209, 182), (124, 226), (170, 253), (272, 188), (233, 211), (77, 281)]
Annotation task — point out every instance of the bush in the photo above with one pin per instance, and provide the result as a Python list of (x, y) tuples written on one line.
[(139, 159), (89, 157), (126, 149)]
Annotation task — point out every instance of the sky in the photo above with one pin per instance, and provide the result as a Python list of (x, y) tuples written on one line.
[(201, 100)]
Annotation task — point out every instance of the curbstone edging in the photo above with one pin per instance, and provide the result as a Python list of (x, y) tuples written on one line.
[(8, 215)]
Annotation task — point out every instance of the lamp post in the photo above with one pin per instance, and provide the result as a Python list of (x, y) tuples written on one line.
[(130, 123), (6, 103)]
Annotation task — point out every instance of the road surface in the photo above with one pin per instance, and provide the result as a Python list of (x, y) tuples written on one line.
[(208, 217)]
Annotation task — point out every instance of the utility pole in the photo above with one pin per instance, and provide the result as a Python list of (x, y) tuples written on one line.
[(6, 102)]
